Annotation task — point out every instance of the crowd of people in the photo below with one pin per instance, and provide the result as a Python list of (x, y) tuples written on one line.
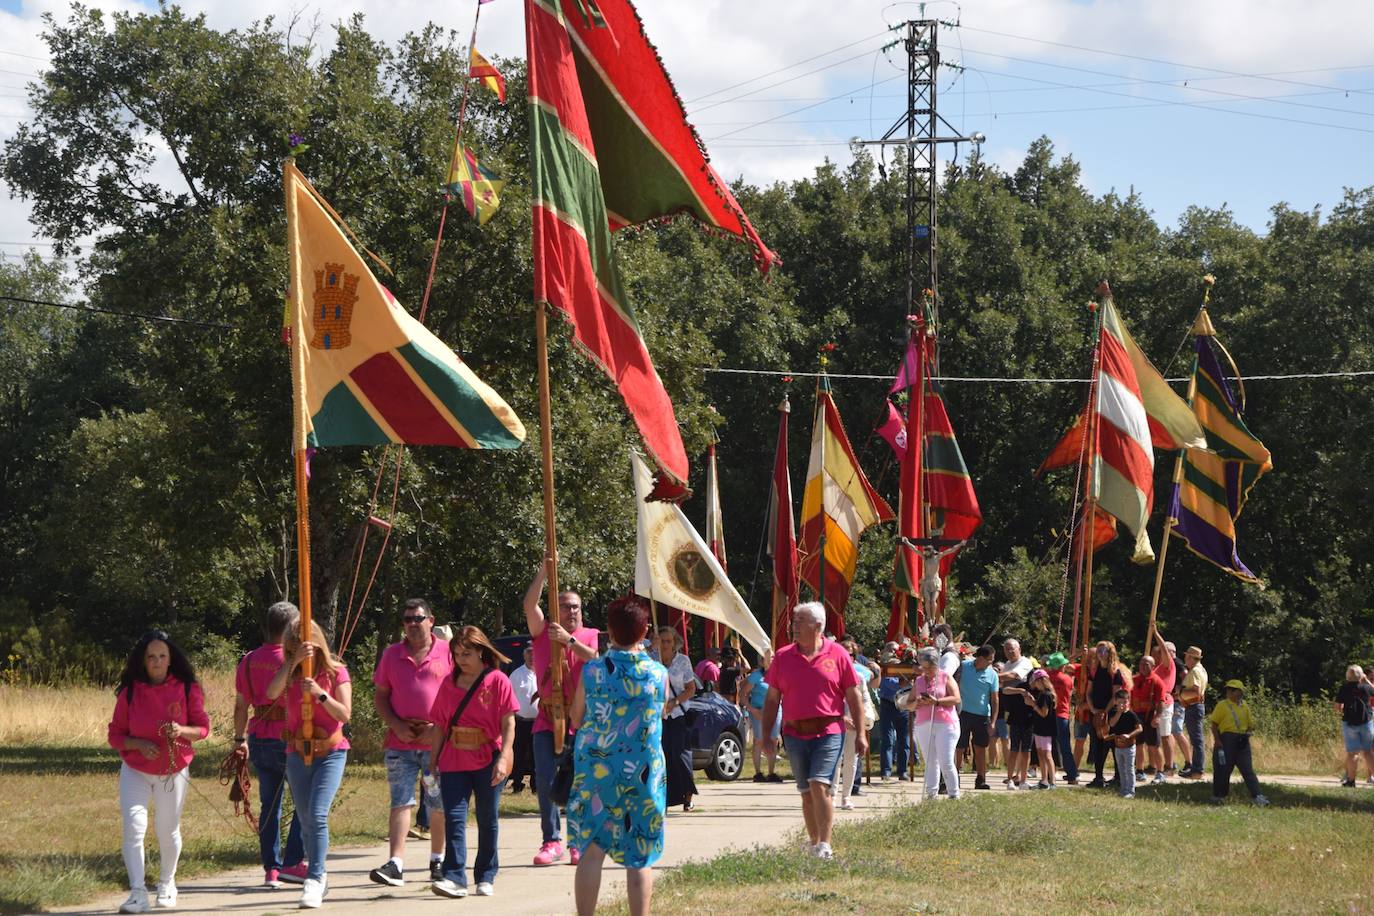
[(458, 729)]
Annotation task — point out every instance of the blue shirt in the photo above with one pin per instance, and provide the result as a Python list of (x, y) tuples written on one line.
[(888, 687), (758, 688), (976, 688)]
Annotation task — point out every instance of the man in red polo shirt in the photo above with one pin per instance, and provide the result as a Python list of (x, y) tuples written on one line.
[(407, 678), (814, 680), (578, 645)]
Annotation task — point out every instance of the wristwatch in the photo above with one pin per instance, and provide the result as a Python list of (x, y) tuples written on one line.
[(322, 696)]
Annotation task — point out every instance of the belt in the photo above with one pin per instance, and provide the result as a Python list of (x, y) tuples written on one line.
[(813, 726), (317, 745), (269, 712), (468, 739)]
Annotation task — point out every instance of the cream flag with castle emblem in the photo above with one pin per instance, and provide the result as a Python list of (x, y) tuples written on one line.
[(673, 565)]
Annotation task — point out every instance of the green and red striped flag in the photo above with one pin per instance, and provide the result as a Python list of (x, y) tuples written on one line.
[(611, 147)]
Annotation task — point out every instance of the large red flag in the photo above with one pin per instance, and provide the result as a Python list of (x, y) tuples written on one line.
[(782, 537), (611, 147)]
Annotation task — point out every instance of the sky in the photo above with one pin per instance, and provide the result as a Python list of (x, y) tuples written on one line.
[(1235, 103)]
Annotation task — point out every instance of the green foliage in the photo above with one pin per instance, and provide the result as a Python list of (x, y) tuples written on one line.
[(144, 468)]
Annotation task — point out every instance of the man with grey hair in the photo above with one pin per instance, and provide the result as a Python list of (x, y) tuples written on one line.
[(814, 678)]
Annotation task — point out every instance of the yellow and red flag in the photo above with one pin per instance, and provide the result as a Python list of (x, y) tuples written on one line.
[(479, 68), (479, 189), (363, 371), (839, 503)]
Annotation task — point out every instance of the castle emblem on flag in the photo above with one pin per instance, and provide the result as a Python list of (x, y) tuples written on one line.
[(335, 295)]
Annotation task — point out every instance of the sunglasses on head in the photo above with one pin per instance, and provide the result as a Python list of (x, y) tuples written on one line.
[(157, 634), (414, 618)]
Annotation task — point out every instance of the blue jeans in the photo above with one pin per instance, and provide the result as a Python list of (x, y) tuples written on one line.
[(268, 756), (457, 788), (1125, 769), (313, 787), (545, 765), (1061, 737), (895, 727), (1193, 718)]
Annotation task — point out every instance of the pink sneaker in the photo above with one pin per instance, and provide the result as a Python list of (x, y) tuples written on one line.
[(573, 855), (294, 874), (549, 853), (272, 878)]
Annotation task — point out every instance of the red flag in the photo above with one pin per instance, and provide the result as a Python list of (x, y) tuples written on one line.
[(782, 537)]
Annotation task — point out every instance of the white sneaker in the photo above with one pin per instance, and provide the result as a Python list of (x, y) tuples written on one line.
[(446, 888), (167, 895), (484, 889), (137, 902), (823, 851), (846, 805), (312, 893), (1261, 801)]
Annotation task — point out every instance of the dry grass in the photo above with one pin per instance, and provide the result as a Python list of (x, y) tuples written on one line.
[(79, 716)]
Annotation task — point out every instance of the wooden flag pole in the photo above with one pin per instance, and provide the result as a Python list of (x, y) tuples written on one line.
[(1169, 520), (1090, 504), (822, 419), (919, 442), (553, 704)]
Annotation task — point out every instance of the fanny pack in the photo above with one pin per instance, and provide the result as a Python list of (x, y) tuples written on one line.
[(270, 712), (468, 739), (807, 728), (318, 745)]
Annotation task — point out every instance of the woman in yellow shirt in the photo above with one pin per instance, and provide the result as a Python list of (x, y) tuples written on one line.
[(1231, 727)]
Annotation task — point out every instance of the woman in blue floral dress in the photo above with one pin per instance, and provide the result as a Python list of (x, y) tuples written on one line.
[(619, 789)]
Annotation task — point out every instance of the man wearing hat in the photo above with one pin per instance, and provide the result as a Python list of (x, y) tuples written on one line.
[(1231, 727), (1193, 695), (1062, 682)]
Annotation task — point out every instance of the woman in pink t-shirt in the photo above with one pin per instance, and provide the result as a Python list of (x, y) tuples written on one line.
[(474, 738), (935, 700), (159, 711), (314, 784)]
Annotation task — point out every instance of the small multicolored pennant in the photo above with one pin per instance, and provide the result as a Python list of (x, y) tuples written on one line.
[(480, 189)]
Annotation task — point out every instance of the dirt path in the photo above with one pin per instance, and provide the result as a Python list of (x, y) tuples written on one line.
[(733, 815)]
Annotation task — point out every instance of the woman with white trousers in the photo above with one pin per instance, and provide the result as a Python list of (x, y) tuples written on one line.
[(935, 703)]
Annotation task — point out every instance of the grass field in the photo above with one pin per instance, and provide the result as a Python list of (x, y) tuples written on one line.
[(1071, 851), (61, 839)]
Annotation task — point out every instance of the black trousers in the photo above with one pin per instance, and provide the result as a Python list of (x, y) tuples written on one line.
[(523, 764), (677, 758)]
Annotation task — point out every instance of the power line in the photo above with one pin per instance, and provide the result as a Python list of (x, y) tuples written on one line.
[(754, 79), (781, 82), (41, 60), (1007, 380), (1170, 83), (1156, 60), (139, 315)]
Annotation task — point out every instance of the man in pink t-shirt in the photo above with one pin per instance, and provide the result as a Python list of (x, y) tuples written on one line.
[(266, 749), (577, 646), (708, 669), (408, 678), (814, 679)]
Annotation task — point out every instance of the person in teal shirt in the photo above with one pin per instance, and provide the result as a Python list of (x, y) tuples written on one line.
[(977, 710), (757, 687)]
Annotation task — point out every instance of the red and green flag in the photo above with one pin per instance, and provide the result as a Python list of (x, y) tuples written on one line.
[(611, 147)]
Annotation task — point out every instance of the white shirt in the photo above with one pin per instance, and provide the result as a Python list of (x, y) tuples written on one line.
[(679, 676), (525, 685), (1021, 667), (949, 662)]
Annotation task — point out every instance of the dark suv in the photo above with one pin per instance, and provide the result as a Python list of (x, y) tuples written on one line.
[(715, 726)]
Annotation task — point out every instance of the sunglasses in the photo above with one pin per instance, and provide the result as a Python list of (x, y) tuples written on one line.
[(414, 618)]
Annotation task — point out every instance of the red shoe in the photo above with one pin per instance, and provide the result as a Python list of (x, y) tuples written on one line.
[(573, 855), (549, 853)]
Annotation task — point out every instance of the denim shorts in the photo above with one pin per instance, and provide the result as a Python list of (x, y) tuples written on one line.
[(757, 727), (1082, 731), (1003, 730), (403, 768), (1358, 737), (1177, 728), (813, 759)]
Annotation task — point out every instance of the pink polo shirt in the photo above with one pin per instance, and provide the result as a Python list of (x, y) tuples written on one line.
[(254, 673), (413, 687), (324, 724), (813, 687), (588, 636), (494, 701), (153, 706)]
